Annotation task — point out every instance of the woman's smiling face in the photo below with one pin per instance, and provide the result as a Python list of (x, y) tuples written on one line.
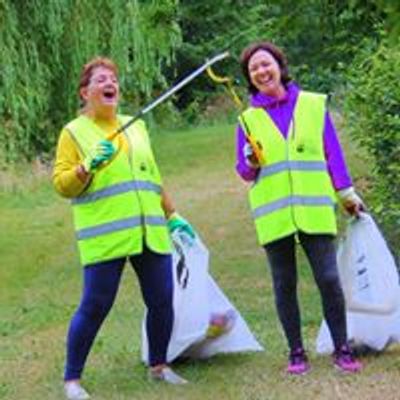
[(265, 73), (102, 93)]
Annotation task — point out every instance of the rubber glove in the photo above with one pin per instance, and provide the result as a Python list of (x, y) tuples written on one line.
[(177, 223), (102, 152), (351, 201), (250, 157)]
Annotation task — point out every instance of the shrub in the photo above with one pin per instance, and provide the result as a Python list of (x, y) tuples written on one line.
[(372, 109)]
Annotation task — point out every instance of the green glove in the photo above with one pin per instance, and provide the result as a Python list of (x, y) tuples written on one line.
[(177, 223), (103, 151)]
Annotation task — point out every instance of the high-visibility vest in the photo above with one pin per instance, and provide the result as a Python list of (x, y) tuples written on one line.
[(293, 190), (121, 208)]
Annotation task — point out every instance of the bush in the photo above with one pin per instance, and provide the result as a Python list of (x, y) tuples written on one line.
[(372, 108)]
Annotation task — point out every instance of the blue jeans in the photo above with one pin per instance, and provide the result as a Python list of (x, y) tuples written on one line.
[(101, 282), (321, 253)]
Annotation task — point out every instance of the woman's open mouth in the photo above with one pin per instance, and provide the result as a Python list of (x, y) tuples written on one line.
[(110, 94)]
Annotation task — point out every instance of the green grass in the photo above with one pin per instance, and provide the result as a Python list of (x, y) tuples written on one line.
[(40, 284)]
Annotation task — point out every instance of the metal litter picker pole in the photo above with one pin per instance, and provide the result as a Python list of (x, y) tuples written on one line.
[(169, 93)]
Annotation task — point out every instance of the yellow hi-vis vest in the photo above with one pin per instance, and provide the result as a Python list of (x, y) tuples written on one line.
[(121, 208), (293, 190)]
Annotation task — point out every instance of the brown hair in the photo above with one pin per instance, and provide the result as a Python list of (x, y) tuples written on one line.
[(87, 72), (275, 52)]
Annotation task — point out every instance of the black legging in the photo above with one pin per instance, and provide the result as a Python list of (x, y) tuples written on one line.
[(321, 253)]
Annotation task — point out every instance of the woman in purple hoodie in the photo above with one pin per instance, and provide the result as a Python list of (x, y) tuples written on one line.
[(288, 148)]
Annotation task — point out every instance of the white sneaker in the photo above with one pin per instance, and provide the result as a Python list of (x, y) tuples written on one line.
[(167, 375), (74, 391)]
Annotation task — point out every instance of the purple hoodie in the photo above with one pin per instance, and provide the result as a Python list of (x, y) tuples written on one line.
[(281, 111)]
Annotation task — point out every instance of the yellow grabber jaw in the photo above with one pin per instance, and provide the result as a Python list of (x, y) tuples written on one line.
[(216, 78), (228, 84)]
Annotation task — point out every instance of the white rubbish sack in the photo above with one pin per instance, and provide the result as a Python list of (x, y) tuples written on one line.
[(196, 298), (367, 269), (370, 282), (374, 331)]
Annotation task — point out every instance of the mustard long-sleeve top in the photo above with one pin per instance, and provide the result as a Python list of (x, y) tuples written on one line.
[(68, 157)]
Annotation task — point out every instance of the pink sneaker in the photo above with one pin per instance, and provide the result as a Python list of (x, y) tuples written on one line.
[(343, 360), (298, 362)]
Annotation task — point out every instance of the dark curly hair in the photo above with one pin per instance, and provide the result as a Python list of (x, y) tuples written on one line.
[(275, 52)]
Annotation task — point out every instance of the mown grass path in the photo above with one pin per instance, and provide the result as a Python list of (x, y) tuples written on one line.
[(40, 284)]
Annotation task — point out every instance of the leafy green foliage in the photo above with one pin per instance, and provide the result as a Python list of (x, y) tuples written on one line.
[(208, 28), (373, 112), (320, 37), (314, 35), (45, 45), (157, 43)]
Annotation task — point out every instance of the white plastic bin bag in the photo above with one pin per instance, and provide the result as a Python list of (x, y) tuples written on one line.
[(370, 282), (367, 269), (196, 298)]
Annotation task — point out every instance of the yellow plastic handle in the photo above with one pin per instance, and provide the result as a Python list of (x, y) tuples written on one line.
[(112, 136), (238, 103), (256, 149)]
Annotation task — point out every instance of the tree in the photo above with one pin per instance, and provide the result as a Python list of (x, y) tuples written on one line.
[(45, 45), (373, 119), (208, 28)]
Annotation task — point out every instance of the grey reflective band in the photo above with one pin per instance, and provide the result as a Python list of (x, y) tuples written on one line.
[(114, 226), (292, 201), (154, 220), (293, 166), (116, 189)]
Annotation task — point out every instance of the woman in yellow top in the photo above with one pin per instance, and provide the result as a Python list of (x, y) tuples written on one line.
[(121, 212)]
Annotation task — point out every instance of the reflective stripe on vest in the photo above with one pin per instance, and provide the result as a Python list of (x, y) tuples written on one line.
[(293, 165), (119, 225), (292, 201), (118, 188), (121, 208), (293, 191)]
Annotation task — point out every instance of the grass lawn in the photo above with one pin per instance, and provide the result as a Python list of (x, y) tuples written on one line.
[(40, 284)]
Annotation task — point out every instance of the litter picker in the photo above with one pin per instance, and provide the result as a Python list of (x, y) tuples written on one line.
[(169, 93), (228, 85)]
